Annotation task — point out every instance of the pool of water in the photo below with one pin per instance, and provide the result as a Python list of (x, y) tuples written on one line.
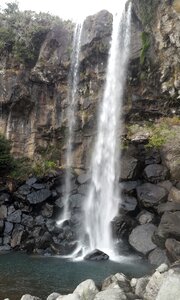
[(40, 276)]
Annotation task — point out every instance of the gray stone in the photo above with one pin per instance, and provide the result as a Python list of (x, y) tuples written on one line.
[(141, 286), (167, 184), (86, 290), (173, 249), (168, 207), (29, 297), (15, 217), (84, 178), (162, 268), (27, 220), (169, 225), (1, 226), (129, 167), (8, 227), (4, 198), (5, 248), (69, 297), (24, 190), (31, 181), (3, 211), (96, 255), (141, 238), (129, 203), (152, 156), (174, 195), (11, 209), (39, 196), (118, 280), (170, 290), (83, 189), (145, 217), (158, 257), (38, 186), (76, 201), (111, 294), (155, 173), (154, 285), (17, 236), (53, 296), (151, 195), (59, 203), (6, 239), (129, 187), (47, 210)]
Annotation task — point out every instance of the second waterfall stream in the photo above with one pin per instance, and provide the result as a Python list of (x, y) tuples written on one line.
[(103, 199)]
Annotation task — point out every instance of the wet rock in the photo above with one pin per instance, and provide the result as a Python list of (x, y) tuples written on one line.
[(129, 203), (86, 290), (59, 203), (3, 212), (8, 227), (158, 257), (44, 241), (145, 217), (141, 238), (113, 294), (27, 220), (84, 178), (31, 181), (155, 173), (76, 202), (152, 156), (168, 207), (169, 226), (173, 249), (96, 255), (129, 167), (83, 189), (39, 196), (64, 248), (174, 195), (129, 187), (151, 195), (39, 220), (15, 217), (122, 225), (5, 248)]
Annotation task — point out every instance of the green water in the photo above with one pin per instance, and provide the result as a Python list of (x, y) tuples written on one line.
[(40, 276)]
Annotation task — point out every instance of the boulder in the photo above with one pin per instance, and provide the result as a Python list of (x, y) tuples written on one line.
[(4, 198), (158, 257), (170, 290), (167, 184), (39, 196), (69, 297), (47, 210), (129, 203), (3, 212), (29, 297), (24, 190), (150, 195), (27, 220), (129, 167), (53, 296), (96, 255), (113, 294), (31, 181), (84, 178), (141, 238), (119, 280), (173, 249), (174, 195), (8, 227), (38, 186), (17, 236), (86, 290), (155, 173), (168, 207), (15, 217), (140, 286), (169, 226), (153, 286), (145, 217), (152, 156), (129, 187), (83, 189)]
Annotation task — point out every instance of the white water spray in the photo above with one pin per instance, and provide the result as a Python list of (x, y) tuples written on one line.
[(72, 101), (103, 199)]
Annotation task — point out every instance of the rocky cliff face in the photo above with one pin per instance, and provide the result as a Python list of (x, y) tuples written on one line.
[(34, 97)]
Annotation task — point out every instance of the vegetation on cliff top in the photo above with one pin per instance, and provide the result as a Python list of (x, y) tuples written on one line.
[(22, 33)]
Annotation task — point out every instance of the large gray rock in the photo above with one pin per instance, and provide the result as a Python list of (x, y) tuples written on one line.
[(39, 196), (174, 195), (53, 296), (173, 249), (129, 203), (168, 207), (170, 290), (84, 178), (3, 211), (169, 226), (117, 281), (15, 217), (69, 297), (141, 238), (151, 195), (158, 257), (129, 167), (29, 297), (17, 236), (141, 286), (96, 255), (111, 294), (154, 285), (86, 290), (155, 173), (145, 217), (8, 227)]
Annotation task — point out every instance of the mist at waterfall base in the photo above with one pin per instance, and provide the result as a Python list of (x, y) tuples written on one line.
[(40, 276)]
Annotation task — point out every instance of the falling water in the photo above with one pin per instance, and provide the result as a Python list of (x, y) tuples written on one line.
[(72, 90), (102, 200)]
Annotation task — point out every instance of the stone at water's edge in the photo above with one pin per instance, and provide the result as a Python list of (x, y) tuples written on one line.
[(96, 255)]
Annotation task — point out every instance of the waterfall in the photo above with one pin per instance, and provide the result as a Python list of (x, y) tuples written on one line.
[(71, 112), (103, 200)]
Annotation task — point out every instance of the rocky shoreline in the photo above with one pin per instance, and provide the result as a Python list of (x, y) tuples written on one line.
[(163, 284)]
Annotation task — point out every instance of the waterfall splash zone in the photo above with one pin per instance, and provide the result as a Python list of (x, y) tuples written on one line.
[(103, 199), (72, 91)]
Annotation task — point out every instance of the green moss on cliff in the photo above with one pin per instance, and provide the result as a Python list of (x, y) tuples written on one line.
[(145, 46)]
